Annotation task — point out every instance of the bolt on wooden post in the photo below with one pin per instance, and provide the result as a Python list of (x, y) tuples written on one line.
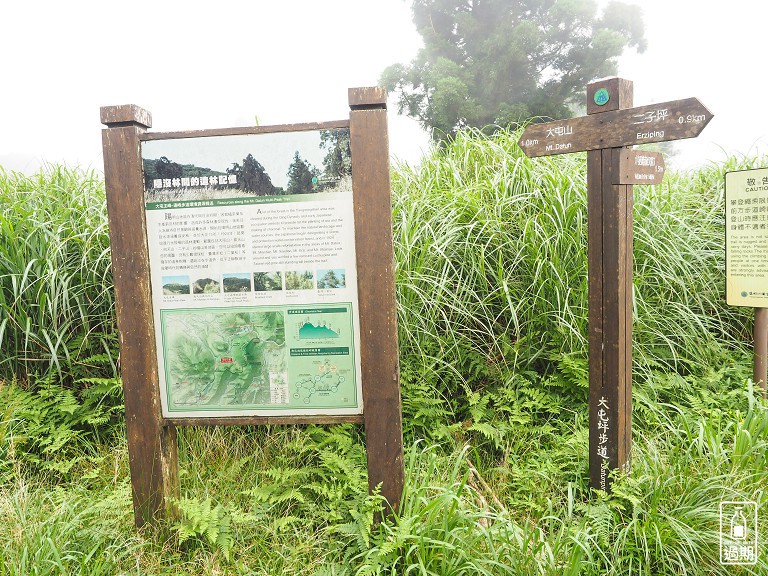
[(607, 133)]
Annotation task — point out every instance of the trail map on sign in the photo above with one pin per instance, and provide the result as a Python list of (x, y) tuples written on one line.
[(217, 359), (220, 359)]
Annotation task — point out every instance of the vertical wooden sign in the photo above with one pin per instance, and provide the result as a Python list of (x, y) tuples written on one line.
[(187, 250), (609, 208), (376, 282), (760, 368), (610, 126)]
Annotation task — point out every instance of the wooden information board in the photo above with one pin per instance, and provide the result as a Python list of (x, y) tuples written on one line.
[(254, 284)]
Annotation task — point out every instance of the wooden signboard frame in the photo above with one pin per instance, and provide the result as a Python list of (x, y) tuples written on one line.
[(152, 441), (610, 126)]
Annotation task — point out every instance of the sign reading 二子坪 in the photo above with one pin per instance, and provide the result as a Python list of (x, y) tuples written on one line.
[(663, 122)]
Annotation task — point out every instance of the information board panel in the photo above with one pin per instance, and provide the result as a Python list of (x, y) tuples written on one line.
[(253, 273), (746, 238)]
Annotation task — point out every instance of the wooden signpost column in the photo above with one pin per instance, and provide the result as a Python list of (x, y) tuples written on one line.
[(151, 442), (761, 349), (610, 127), (609, 207)]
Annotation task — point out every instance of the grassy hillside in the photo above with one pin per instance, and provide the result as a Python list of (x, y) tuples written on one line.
[(492, 301)]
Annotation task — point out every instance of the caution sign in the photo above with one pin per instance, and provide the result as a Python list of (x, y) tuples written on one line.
[(746, 238)]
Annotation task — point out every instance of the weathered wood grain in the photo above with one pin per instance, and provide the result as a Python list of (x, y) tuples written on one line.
[(610, 304), (237, 131), (263, 420), (761, 348), (125, 115), (367, 98), (376, 292), (151, 444)]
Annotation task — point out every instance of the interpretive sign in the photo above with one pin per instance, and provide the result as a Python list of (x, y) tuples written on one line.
[(746, 238), (612, 124), (254, 284), (253, 270)]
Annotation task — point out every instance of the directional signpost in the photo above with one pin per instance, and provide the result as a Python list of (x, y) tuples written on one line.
[(616, 128), (610, 126)]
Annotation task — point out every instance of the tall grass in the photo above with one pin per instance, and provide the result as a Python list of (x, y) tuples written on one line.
[(55, 276), (59, 531), (492, 267)]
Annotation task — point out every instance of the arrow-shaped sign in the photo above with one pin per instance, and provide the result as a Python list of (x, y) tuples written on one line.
[(640, 167), (654, 123)]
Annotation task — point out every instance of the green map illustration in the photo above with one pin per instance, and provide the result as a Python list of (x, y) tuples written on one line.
[(247, 358), (218, 358)]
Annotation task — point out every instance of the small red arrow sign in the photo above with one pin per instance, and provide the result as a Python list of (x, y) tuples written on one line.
[(663, 122)]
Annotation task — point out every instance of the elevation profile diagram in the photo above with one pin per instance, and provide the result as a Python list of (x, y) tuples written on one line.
[(319, 331)]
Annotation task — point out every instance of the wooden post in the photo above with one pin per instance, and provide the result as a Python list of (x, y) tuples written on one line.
[(151, 444), (610, 296), (376, 291), (761, 349)]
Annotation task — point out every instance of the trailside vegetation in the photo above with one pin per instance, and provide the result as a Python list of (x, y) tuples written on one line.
[(490, 251)]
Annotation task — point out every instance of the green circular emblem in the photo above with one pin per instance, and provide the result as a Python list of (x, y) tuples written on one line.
[(314, 179), (601, 97), (744, 294)]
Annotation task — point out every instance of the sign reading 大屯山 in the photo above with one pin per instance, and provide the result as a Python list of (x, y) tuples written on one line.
[(746, 238), (253, 271)]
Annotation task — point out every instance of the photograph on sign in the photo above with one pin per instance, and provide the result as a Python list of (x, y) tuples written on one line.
[(253, 271), (746, 238)]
